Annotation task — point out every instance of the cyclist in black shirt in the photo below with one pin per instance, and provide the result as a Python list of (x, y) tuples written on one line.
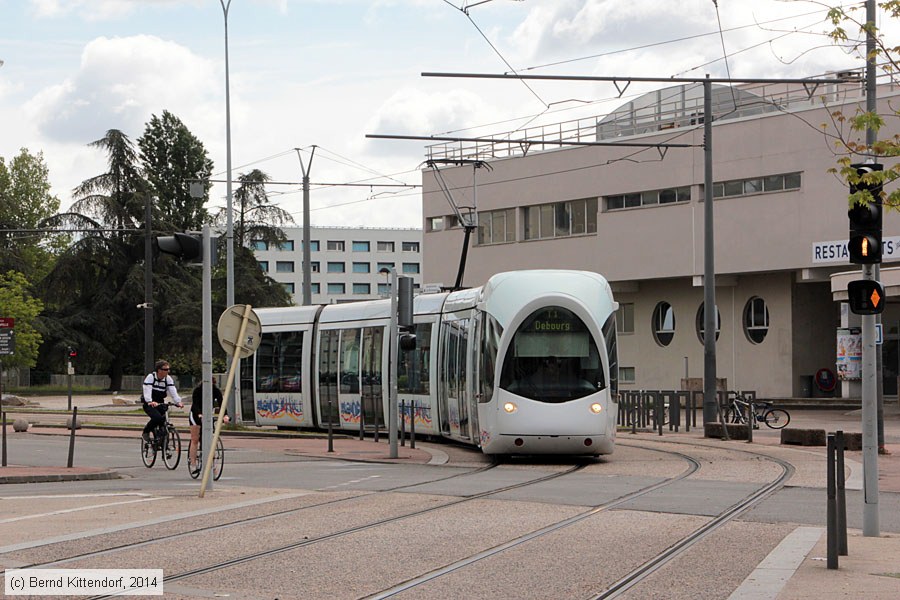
[(196, 420)]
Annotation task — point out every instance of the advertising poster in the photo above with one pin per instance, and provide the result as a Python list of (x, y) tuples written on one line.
[(849, 353)]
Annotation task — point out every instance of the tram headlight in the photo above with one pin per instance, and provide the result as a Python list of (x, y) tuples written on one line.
[(596, 407), (510, 407)]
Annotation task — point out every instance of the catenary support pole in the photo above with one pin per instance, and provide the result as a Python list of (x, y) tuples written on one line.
[(710, 313)]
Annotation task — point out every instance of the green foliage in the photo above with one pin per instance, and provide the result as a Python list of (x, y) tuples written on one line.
[(16, 301), (850, 149), (172, 157), (25, 200)]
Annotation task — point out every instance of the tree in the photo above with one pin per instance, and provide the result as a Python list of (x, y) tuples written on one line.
[(852, 148), (94, 288), (173, 158), (257, 219), (25, 200), (16, 301)]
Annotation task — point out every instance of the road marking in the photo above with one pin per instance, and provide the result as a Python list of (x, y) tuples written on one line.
[(351, 482), (106, 494), (776, 569), (80, 508)]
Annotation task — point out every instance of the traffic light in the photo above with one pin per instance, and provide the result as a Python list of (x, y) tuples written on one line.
[(864, 245), (187, 247), (72, 352), (865, 296)]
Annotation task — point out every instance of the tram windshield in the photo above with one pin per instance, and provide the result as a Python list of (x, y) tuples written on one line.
[(552, 358)]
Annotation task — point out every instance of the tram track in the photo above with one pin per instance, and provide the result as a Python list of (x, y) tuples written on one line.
[(646, 569), (255, 556)]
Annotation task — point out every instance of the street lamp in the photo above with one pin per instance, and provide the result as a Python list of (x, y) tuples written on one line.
[(229, 222)]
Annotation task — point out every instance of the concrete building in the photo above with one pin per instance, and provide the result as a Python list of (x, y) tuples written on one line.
[(636, 215), (346, 263)]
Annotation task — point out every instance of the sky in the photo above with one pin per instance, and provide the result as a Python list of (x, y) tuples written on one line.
[(326, 73)]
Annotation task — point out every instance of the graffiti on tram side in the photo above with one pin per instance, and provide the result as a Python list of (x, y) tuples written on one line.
[(485, 437), (279, 407), (350, 412), (422, 414)]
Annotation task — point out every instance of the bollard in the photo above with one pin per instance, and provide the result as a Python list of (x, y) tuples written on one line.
[(3, 417), (376, 428), (72, 437), (362, 423), (330, 427), (841, 500), (831, 510), (403, 422), (412, 426)]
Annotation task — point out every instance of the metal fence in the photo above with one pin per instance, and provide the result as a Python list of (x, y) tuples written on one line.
[(672, 409)]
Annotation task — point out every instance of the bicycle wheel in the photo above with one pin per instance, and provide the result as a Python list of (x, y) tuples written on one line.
[(777, 418), (195, 473), (218, 460), (172, 450), (148, 452), (733, 415)]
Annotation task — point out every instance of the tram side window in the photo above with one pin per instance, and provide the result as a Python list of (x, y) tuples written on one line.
[(490, 344), (279, 362), (612, 355), (552, 358), (414, 367), (349, 366)]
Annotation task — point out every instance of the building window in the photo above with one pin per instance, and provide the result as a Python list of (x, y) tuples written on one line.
[(362, 288), (384, 265), (335, 267), (625, 318), (289, 287), (410, 246), (361, 267), (561, 219), (335, 245), (384, 289), (314, 246), (626, 375), (651, 198), (434, 224), (756, 185), (385, 246), (286, 246), (284, 266), (756, 320), (663, 323), (701, 323), (259, 245), (314, 288), (410, 268), (497, 227), (336, 288), (264, 265), (314, 266), (360, 246)]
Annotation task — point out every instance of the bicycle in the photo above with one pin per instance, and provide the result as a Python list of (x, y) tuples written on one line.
[(218, 460), (740, 408), (165, 439)]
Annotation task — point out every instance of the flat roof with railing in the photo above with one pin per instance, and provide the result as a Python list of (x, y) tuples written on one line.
[(674, 107)]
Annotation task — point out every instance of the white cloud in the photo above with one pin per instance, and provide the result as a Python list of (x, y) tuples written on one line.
[(120, 83)]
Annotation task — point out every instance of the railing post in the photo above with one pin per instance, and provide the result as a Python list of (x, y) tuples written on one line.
[(403, 422), (72, 437), (3, 418), (412, 426), (831, 509), (841, 499), (330, 426)]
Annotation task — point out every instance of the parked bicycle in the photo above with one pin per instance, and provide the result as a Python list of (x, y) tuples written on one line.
[(218, 460), (162, 439), (766, 412)]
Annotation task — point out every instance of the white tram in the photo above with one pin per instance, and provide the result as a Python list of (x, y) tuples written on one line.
[(526, 364)]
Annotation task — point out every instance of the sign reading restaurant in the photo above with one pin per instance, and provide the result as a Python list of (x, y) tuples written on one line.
[(836, 252)]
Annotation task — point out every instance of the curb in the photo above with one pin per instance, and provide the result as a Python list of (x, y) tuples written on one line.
[(57, 477)]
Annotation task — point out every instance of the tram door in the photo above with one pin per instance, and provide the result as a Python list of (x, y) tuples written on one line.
[(370, 366), (454, 378), (328, 378)]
